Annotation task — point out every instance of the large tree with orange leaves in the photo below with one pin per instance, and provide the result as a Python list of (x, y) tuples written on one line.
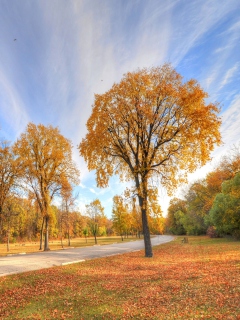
[(150, 124), (46, 159)]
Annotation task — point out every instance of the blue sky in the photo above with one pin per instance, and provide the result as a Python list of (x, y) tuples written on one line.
[(65, 51)]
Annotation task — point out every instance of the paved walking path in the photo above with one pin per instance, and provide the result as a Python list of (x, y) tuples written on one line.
[(40, 260)]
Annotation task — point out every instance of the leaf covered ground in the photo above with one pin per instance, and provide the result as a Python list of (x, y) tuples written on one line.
[(198, 280)]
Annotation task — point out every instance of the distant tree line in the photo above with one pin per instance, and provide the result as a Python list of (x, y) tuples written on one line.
[(22, 221), (211, 205)]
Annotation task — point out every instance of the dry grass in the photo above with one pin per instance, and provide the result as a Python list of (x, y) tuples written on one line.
[(29, 247)]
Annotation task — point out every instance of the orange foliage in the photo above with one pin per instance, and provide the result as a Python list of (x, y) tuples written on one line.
[(151, 124)]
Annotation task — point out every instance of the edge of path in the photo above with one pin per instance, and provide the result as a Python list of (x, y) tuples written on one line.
[(20, 263)]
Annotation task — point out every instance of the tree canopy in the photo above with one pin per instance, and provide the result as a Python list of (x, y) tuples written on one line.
[(225, 212), (45, 157), (150, 124)]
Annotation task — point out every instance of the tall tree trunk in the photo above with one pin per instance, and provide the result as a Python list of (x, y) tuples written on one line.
[(142, 197), (41, 235), (46, 247), (146, 234)]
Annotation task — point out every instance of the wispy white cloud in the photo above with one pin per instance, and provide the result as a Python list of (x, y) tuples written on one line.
[(12, 108), (82, 186), (193, 22), (231, 123), (233, 28), (224, 61), (229, 75), (92, 190), (222, 48)]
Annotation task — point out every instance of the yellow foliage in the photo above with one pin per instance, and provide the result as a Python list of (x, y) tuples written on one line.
[(45, 157)]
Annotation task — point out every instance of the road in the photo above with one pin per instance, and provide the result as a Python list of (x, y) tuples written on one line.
[(34, 261)]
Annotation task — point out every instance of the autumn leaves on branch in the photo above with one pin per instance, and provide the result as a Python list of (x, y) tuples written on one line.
[(150, 125)]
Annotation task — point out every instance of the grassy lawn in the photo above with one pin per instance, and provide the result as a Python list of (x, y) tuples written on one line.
[(197, 280), (28, 247)]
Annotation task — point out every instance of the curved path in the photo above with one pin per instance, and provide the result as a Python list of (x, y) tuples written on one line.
[(40, 260)]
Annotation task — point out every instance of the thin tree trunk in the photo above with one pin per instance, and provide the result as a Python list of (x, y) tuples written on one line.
[(69, 243), (8, 236), (95, 237), (61, 231), (1, 223), (8, 247), (68, 225), (46, 246), (61, 240), (41, 235), (95, 230)]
